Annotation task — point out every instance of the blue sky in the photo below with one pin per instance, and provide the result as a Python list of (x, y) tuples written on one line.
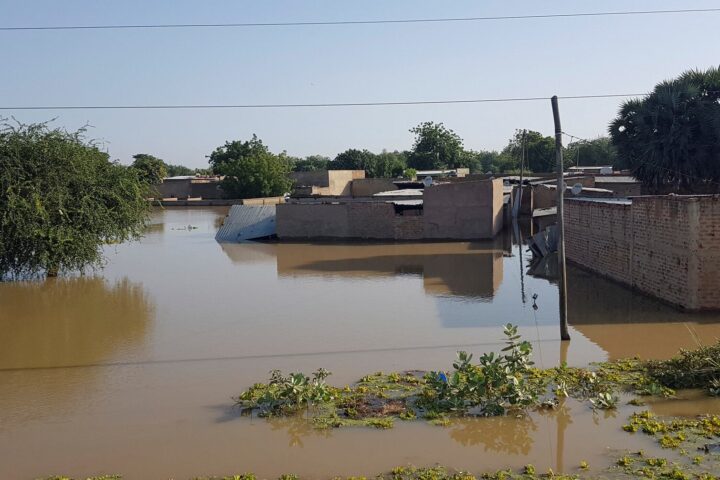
[(337, 64)]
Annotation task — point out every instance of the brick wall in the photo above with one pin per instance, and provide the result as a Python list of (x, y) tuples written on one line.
[(471, 210), (466, 210), (667, 247)]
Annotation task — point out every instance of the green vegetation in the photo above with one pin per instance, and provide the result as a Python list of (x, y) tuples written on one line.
[(154, 169), (698, 368), (436, 147), (632, 465), (251, 170), (671, 138), (499, 384), (150, 169), (383, 165), (311, 163), (61, 200)]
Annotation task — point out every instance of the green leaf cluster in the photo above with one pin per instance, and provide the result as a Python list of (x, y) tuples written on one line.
[(61, 200), (497, 384), (671, 137), (250, 170)]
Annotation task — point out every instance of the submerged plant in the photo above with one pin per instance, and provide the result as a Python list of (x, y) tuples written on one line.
[(285, 394), (495, 385)]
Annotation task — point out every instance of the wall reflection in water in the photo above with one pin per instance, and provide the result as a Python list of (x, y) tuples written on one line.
[(469, 270)]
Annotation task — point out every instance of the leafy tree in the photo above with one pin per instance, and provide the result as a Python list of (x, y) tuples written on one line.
[(150, 169), (436, 147), (671, 138), (251, 170), (390, 164), (539, 151), (596, 152), (353, 159), (311, 163), (382, 165), (178, 170), (61, 200)]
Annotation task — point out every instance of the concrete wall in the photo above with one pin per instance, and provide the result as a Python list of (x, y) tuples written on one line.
[(464, 211), (467, 210), (308, 179), (370, 220), (326, 182), (367, 187), (263, 201), (667, 247), (192, 188)]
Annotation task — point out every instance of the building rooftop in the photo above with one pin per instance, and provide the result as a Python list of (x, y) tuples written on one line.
[(616, 179), (405, 192), (619, 201)]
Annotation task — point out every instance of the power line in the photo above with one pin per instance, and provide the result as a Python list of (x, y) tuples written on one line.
[(312, 105), (361, 22)]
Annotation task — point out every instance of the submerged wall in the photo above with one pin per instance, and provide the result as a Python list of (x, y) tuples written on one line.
[(465, 210), (462, 211), (667, 247), (377, 221)]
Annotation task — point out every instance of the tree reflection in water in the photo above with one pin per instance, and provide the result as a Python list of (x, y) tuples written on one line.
[(510, 435), (297, 427)]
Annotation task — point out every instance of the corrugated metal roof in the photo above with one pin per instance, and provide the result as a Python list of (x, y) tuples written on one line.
[(247, 222), (621, 201), (616, 179), (407, 192)]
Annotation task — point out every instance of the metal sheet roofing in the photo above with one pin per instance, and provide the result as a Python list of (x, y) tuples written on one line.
[(247, 222)]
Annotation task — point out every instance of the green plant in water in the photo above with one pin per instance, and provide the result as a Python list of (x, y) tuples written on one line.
[(492, 387), (604, 401), (285, 394)]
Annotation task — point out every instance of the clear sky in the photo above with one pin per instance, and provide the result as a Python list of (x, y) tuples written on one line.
[(362, 63)]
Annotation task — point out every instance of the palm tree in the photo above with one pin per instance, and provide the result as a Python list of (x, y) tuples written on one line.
[(671, 138)]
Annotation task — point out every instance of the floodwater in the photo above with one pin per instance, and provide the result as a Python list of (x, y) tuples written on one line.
[(132, 370)]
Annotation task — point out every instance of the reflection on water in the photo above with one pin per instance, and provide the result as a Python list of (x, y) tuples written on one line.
[(70, 321), (627, 324), (501, 435), (469, 270), (177, 324)]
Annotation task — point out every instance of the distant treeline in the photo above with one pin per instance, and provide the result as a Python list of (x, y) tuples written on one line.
[(436, 147)]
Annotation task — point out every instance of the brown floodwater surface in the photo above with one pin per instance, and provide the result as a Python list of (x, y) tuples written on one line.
[(131, 370)]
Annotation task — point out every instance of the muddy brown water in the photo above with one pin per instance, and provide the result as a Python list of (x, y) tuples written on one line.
[(132, 370)]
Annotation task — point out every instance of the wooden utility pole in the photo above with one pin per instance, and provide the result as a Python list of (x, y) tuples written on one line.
[(518, 197), (562, 278)]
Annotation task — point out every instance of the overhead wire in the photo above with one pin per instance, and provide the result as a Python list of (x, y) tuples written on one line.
[(312, 105), (359, 22)]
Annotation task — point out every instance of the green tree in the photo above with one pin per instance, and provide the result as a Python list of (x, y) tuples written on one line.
[(382, 165), (539, 151), (179, 170), (597, 152), (353, 159), (671, 138), (390, 164), (436, 147), (311, 163), (150, 169), (61, 200), (251, 170)]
